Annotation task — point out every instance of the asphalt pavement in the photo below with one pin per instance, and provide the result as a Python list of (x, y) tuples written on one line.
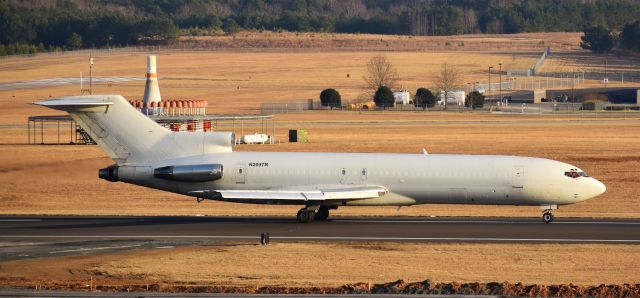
[(28, 237)]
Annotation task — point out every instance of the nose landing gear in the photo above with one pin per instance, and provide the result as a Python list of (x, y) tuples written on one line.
[(547, 215)]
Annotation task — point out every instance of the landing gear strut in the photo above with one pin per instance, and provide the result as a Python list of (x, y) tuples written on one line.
[(322, 214), (547, 216)]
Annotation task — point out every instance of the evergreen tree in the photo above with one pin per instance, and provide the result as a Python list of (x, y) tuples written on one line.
[(384, 97), (424, 98), (474, 100), (598, 39), (330, 98), (630, 36)]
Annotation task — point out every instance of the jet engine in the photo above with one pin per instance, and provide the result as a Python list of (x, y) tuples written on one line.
[(190, 173), (109, 173)]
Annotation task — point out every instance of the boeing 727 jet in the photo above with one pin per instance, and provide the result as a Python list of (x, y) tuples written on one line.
[(204, 165)]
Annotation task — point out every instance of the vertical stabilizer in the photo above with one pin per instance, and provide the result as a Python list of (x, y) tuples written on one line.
[(129, 137)]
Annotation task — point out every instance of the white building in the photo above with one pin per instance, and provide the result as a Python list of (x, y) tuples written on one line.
[(402, 97), (454, 97)]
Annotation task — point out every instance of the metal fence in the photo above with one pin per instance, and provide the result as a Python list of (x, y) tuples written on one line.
[(547, 81), (533, 71)]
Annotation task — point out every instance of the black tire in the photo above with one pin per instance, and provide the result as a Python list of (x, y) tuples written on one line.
[(322, 214), (547, 217), (305, 216)]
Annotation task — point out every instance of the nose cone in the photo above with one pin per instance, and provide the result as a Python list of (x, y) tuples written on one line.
[(595, 188)]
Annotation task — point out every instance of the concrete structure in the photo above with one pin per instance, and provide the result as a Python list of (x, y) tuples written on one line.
[(617, 95)]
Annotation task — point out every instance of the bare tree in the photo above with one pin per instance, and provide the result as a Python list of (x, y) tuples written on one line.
[(380, 72), (448, 79)]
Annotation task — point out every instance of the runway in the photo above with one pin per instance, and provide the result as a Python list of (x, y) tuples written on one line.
[(446, 229), (54, 82)]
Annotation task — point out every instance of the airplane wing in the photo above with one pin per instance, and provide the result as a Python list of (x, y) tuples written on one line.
[(302, 194)]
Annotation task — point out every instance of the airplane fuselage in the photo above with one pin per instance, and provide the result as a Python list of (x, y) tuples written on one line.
[(410, 178)]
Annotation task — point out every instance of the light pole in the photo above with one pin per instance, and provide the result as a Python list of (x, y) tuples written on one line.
[(490, 67), (91, 75), (606, 79), (500, 73)]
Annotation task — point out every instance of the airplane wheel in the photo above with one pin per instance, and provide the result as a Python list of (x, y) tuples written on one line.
[(547, 217), (304, 215), (322, 214)]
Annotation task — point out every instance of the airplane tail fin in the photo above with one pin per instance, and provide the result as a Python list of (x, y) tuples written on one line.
[(128, 136)]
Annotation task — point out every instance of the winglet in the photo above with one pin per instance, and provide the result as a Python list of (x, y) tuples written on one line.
[(424, 151)]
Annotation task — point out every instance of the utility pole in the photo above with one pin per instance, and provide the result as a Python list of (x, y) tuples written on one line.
[(500, 73), (606, 79), (490, 67)]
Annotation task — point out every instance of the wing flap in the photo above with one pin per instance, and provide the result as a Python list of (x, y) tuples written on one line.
[(354, 193)]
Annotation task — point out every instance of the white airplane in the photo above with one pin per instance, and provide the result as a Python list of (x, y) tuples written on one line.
[(203, 165)]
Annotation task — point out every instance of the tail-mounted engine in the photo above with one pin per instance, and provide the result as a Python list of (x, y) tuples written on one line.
[(109, 173), (190, 173)]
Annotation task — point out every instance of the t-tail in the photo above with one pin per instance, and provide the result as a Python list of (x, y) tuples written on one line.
[(129, 137)]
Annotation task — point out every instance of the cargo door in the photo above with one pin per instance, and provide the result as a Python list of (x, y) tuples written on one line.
[(363, 175), (518, 176), (241, 174)]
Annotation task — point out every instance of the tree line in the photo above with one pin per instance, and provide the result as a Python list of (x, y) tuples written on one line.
[(70, 24)]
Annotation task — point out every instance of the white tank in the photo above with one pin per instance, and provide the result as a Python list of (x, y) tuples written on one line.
[(256, 138)]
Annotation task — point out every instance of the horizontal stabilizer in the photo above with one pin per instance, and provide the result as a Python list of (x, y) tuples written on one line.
[(67, 104)]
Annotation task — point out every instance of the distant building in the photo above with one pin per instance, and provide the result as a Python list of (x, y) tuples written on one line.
[(402, 97), (453, 97)]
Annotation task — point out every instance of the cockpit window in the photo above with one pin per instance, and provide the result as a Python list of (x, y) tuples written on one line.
[(574, 173)]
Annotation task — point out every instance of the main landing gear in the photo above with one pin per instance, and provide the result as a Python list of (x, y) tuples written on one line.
[(547, 216), (311, 213)]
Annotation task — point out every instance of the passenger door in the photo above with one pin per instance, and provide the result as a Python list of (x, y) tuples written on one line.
[(241, 174)]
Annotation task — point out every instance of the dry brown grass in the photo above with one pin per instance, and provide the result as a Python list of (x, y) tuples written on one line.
[(62, 179), (335, 264)]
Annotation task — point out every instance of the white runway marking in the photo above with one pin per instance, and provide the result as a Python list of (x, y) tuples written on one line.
[(93, 248), (467, 239)]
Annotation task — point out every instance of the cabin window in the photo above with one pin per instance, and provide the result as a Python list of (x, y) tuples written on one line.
[(574, 173), (344, 172)]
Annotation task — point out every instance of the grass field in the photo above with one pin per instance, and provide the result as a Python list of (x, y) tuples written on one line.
[(335, 264), (63, 180)]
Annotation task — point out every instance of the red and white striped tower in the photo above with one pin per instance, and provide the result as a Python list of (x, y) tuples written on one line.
[(151, 89)]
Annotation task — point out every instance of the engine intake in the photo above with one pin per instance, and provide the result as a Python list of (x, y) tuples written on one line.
[(109, 173), (190, 173)]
